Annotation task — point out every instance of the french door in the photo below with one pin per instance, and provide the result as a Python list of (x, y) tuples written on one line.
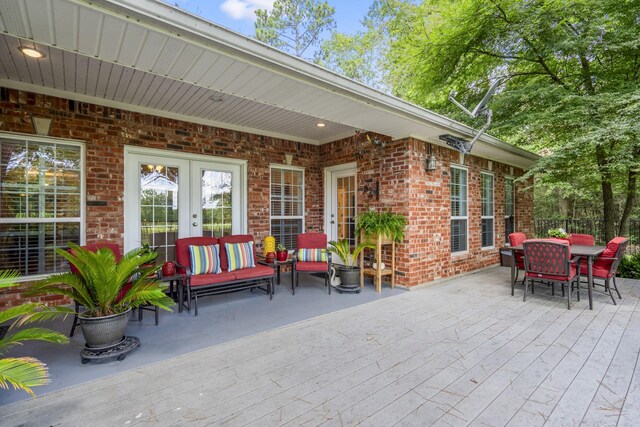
[(168, 196), (341, 203)]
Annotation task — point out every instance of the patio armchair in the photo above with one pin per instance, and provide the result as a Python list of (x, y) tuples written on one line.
[(582, 239), (517, 239), (311, 257), (605, 266), (550, 261), (93, 247)]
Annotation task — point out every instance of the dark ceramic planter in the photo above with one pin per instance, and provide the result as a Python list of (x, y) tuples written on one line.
[(349, 277)]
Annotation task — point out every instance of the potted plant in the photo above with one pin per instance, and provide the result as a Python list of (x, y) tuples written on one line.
[(281, 252), (107, 289), (558, 233), (349, 272), (145, 250), (388, 225)]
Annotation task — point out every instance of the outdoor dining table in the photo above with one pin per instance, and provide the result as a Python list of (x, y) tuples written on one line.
[(586, 251)]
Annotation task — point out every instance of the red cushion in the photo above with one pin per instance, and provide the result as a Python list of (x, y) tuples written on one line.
[(601, 273), (254, 272), (572, 273), (516, 239), (123, 291), (312, 241), (182, 248), (609, 252), (210, 279), (236, 238), (582, 239), (312, 266)]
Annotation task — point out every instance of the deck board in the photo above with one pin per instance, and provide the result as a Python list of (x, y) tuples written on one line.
[(462, 352)]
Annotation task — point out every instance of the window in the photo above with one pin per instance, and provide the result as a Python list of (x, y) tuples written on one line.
[(487, 210), (287, 205), (509, 209), (458, 189), (41, 199)]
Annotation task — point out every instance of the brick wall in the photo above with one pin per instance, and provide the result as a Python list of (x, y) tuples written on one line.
[(398, 166)]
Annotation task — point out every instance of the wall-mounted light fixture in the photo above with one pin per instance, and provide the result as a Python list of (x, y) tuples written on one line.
[(373, 190), (430, 162), (376, 141)]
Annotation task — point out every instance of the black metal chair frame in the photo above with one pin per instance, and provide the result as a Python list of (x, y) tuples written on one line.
[(295, 272), (622, 247), (539, 267)]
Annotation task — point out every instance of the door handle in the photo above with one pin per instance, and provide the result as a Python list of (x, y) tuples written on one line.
[(195, 224), (333, 222)]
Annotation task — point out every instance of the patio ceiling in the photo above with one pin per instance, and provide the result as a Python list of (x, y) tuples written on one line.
[(147, 56)]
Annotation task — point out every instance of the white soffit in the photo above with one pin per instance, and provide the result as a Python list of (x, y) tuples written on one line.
[(147, 56)]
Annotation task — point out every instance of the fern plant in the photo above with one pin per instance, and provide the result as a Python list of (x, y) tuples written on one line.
[(99, 281), (23, 373), (388, 224), (342, 248)]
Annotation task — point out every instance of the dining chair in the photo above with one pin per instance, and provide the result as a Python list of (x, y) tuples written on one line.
[(516, 239), (582, 239), (550, 261), (311, 257), (605, 266)]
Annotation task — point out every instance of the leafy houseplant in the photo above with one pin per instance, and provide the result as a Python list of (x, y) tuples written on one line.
[(558, 233), (146, 249), (349, 272), (25, 372), (281, 252), (387, 224), (106, 287)]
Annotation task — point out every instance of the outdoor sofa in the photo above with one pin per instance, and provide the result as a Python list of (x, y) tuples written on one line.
[(232, 264)]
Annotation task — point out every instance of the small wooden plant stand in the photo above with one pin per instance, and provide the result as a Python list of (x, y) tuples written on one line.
[(378, 272)]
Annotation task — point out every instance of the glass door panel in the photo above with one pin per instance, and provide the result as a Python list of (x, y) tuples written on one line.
[(216, 203), (159, 184), (346, 208)]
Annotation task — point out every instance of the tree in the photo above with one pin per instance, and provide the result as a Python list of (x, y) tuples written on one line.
[(570, 72), (294, 25)]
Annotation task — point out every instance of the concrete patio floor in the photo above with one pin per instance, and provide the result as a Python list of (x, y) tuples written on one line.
[(461, 352)]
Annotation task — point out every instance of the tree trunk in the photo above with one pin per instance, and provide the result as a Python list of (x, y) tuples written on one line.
[(607, 194), (630, 201)]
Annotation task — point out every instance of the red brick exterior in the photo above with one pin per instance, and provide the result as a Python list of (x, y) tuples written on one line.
[(399, 167)]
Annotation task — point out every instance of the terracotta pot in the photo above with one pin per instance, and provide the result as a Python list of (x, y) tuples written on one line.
[(168, 269), (282, 255)]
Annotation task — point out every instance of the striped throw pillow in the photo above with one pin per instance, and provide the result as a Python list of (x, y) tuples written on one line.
[(312, 255), (205, 259), (240, 255)]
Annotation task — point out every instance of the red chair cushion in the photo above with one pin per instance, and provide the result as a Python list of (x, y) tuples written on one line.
[(609, 252), (601, 273), (312, 241), (236, 238), (572, 274), (516, 239), (210, 279), (311, 266), (254, 272), (582, 239), (182, 248)]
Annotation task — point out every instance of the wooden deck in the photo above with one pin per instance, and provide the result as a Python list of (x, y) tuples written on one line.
[(463, 352)]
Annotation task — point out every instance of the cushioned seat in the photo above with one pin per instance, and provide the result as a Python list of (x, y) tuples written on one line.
[(550, 260), (606, 264), (311, 246)]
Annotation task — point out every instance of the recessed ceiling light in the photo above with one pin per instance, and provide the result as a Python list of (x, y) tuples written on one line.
[(31, 52), (320, 125)]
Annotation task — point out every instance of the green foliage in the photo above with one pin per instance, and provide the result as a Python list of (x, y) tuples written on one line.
[(570, 84), (23, 373), (629, 266), (558, 233), (280, 247), (388, 224), (97, 285), (294, 25), (342, 248)]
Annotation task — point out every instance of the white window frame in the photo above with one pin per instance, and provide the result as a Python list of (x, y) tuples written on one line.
[(83, 191), (301, 217), (507, 180), (460, 217), (493, 210)]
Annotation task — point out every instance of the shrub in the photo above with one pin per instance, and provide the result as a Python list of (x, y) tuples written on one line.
[(630, 266)]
